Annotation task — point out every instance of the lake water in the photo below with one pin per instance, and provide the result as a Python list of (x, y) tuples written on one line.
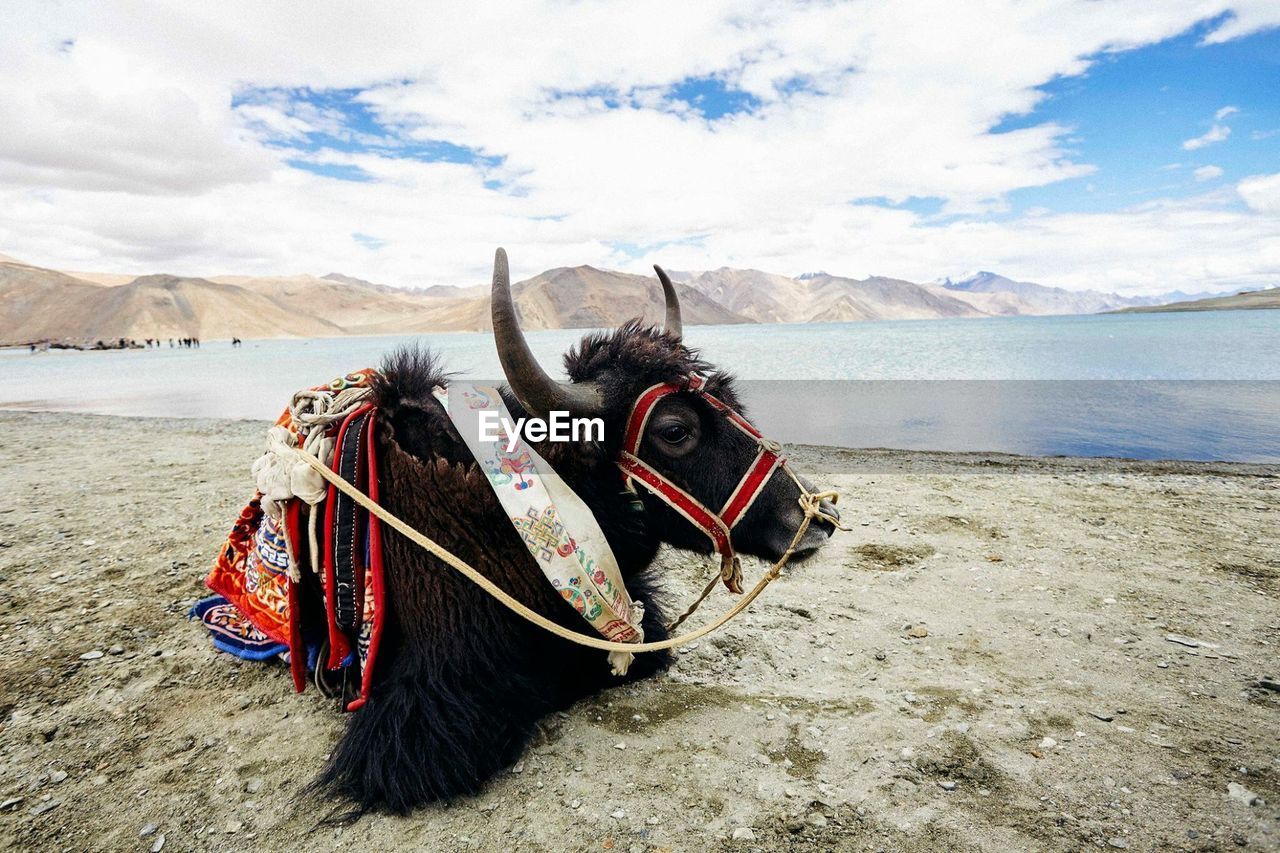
[(1188, 386)]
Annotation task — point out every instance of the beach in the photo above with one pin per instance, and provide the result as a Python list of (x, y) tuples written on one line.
[(1005, 653)]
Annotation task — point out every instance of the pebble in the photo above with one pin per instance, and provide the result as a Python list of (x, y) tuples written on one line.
[(58, 776), (1048, 743), (1118, 843), (46, 806), (234, 826), (93, 655), (619, 746), (147, 830), (159, 845), (1101, 715), (744, 833), (253, 786), (816, 819), (880, 655), (115, 651), (918, 632), (11, 804), (1188, 641), (947, 785), (1241, 794), (618, 813), (653, 821)]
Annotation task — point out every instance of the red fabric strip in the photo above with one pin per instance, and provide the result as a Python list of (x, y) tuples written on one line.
[(680, 500), (297, 650), (641, 411), (749, 488)]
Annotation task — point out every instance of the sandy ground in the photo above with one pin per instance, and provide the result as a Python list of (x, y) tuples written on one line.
[(982, 663)]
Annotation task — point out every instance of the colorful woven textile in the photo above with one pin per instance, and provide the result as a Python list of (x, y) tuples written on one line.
[(233, 633), (258, 611), (557, 526), (252, 572)]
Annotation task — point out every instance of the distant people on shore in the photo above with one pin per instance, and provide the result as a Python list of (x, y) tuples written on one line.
[(118, 343)]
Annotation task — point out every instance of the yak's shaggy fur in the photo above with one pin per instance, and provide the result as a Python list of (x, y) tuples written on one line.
[(461, 681)]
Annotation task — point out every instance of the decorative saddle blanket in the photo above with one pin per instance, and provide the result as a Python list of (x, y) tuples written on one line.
[(325, 618)]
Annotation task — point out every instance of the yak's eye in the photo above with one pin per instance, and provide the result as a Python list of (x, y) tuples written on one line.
[(674, 434)]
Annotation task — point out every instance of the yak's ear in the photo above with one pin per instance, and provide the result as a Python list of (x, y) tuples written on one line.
[(535, 390), (673, 325)]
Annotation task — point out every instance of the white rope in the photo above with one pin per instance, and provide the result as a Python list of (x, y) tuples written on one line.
[(282, 476), (809, 502), (289, 471), (315, 411)]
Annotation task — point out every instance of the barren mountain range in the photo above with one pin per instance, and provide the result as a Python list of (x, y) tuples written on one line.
[(39, 304), (1243, 301)]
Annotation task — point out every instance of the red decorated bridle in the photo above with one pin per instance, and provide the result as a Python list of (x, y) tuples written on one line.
[(717, 525)]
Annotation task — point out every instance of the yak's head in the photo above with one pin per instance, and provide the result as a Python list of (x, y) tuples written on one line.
[(686, 439)]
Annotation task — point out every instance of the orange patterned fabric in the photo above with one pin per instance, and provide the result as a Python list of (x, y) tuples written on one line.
[(251, 569), (251, 572)]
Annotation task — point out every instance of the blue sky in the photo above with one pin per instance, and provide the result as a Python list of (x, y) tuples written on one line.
[(1124, 146), (1132, 111)]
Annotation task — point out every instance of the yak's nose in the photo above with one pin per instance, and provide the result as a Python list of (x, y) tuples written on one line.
[(826, 507)]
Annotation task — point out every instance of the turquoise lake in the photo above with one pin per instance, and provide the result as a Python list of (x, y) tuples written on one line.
[(1179, 385)]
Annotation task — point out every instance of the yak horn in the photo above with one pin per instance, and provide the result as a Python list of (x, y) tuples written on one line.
[(673, 325), (535, 390)]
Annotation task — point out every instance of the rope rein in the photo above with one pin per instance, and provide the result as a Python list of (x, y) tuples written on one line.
[(809, 502)]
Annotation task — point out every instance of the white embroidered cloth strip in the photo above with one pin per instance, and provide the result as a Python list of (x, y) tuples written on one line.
[(557, 526)]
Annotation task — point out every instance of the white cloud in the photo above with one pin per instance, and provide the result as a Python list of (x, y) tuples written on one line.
[(130, 156), (1261, 193), (1246, 18), (1217, 133), (1208, 173)]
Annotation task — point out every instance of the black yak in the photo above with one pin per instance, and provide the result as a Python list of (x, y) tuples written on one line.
[(461, 681)]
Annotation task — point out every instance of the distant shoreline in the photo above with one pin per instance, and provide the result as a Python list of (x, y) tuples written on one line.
[(1191, 307)]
